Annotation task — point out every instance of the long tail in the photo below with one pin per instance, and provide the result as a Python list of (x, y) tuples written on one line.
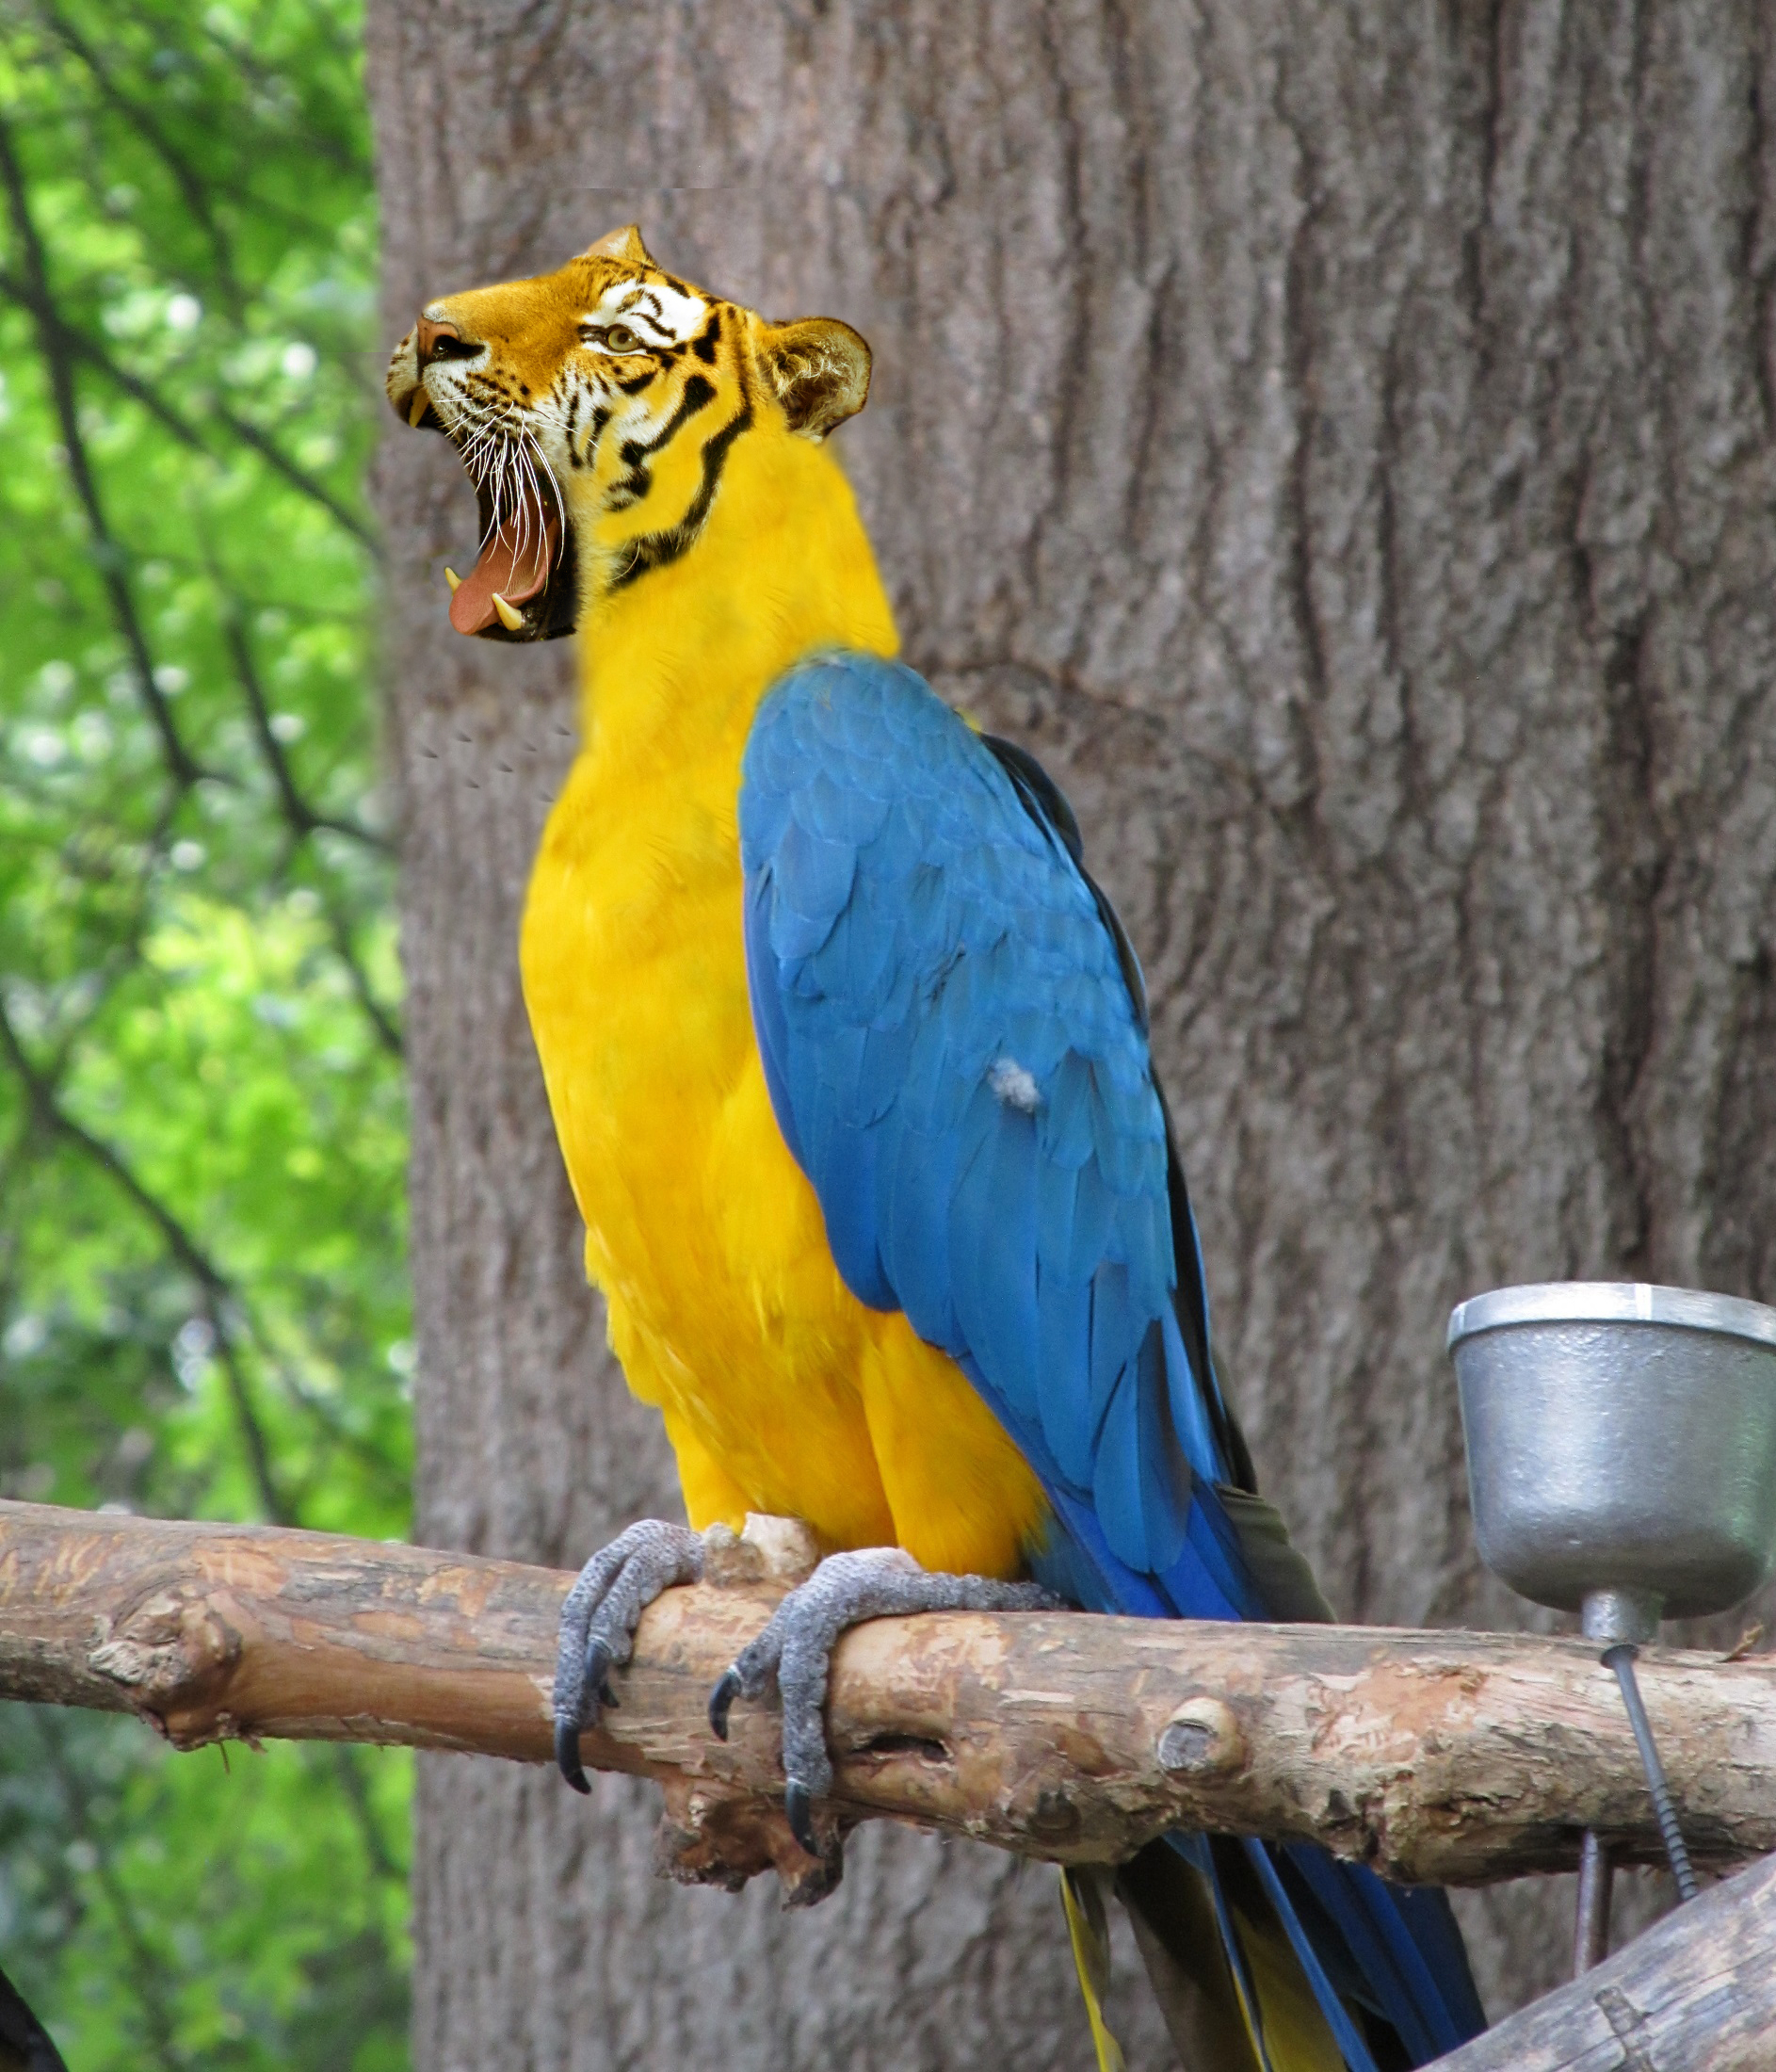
[(1082, 1893), (1233, 1993), (1289, 1959), (1216, 2011), (1253, 1974), (1232, 1989)]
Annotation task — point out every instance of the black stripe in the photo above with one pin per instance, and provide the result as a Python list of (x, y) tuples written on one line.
[(635, 453), (706, 340), (657, 549), (596, 424)]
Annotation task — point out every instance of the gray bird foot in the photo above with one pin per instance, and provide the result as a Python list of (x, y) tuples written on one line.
[(795, 1649), (598, 1624)]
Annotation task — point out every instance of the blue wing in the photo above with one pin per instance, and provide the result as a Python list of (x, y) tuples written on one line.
[(961, 1069), (954, 1033)]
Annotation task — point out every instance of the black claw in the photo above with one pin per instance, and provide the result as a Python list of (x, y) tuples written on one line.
[(720, 1700), (567, 1754), (598, 1670), (799, 1804)]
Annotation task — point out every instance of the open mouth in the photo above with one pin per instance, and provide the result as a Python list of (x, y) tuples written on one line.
[(522, 586)]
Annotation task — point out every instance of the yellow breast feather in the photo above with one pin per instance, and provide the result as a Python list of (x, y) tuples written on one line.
[(780, 1391)]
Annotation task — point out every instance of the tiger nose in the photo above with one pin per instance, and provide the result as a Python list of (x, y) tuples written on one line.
[(441, 341)]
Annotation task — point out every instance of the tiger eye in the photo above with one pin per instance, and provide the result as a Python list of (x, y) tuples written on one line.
[(620, 338)]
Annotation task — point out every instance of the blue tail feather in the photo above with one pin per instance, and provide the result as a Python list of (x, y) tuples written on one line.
[(1387, 1929), (1399, 1942)]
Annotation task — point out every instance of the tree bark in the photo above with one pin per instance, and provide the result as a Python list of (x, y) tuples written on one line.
[(1438, 1759), (1339, 442)]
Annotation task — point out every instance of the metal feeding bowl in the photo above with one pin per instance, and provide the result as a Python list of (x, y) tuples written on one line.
[(1622, 1459), (1622, 1445)]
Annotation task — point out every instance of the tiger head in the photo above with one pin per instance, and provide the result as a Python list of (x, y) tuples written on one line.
[(594, 409)]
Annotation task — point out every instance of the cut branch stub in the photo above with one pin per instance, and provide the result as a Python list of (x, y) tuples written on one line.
[(1201, 1739), (168, 1652)]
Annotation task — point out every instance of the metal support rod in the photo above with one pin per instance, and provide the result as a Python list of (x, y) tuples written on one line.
[(1591, 1929), (1621, 1658), (1617, 1616)]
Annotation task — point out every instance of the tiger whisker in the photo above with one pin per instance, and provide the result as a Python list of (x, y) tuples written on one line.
[(504, 459)]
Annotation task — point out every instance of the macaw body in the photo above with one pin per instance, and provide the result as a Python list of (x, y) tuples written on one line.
[(976, 1356), (847, 1057)]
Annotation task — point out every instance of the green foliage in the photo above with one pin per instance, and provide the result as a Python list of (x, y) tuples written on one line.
[(203, 1136)]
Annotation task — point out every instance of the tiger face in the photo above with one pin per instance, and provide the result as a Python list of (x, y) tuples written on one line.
[(594, 409)]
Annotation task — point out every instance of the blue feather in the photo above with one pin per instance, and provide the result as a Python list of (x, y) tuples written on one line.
[(1063, 1347), (993, 1253), (915, 1248), (1356, 2052), (1143, 1522), (1081, 1228), (1116, 1335), (814, 880), (1066, 1114), (1190, 1409), (847, 1200), (835, 810)]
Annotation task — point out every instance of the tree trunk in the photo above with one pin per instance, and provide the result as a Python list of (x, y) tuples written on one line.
[(1338, 442)]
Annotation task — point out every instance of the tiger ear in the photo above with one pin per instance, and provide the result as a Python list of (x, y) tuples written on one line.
[(625, 244), (820, 369)]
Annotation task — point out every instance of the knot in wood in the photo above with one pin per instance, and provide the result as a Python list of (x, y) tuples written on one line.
[(782, 1551), (1201, 1739), (164, 1648), (711, 1834), (1054, 1818)]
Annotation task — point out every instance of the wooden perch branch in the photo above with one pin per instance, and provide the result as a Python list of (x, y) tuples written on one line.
[(1448, 1757), (1697, 1990)]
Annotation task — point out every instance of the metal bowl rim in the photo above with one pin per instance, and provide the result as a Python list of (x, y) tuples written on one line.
[(1611, 1301)]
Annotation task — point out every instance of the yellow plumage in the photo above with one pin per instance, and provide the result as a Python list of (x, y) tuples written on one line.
[(780, 1391)]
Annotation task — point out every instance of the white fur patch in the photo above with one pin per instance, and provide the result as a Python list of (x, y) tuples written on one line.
[(657, 314), (1013, 1084)]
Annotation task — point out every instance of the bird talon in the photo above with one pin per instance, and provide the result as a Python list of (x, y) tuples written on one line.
[(720, 1701), (798, 1805), (567, 1754), (598, 1622), (598, 1667)]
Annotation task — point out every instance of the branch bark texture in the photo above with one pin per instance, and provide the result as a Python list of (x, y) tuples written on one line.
[(1453, 1758), (1697, 1991)]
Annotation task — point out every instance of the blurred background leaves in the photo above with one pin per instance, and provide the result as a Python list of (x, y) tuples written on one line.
[(203, 1309)]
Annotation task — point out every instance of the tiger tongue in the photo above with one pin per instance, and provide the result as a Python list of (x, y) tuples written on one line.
[(515, 562)]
